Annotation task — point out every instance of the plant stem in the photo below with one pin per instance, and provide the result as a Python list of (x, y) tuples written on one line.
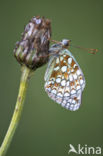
[(17, 111)]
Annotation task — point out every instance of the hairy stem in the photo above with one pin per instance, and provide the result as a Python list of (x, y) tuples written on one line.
[(17, 111)]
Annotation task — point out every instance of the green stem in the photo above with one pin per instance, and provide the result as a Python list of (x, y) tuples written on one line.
[(17, 111)]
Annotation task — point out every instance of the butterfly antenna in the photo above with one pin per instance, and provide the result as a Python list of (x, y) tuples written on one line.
[(90, 50), (54, 41)]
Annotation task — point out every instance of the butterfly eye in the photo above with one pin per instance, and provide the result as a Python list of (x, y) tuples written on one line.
[(65, 42)]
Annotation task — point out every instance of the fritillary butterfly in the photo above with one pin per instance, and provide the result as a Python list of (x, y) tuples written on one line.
[(64, 79)]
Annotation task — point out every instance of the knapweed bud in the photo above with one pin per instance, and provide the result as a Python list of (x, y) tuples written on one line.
[(33, 48)]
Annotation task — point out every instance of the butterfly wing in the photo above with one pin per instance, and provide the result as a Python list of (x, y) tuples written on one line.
[(65, 80)]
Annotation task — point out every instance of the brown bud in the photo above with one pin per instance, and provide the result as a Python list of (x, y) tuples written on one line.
[(34, 45)]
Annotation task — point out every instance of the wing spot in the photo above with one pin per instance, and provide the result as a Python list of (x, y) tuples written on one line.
[(59, 76), (75, 98), (76, 68), (49, 89), (58, 100), (67, 89), (58, 80), (73, 102), (57, 61), (67, 106), (63, 83), (54, 91), (61, 58), (64, 55), (70, 60), (70, 101), (75, 76), (78, 87), (72, 70), (56, 68), (80, 77), (66, 94), (59, 94), (68, 83), (70, 77), (52, 79), (64, 68), (81, 81), (62, 77), (78, 72), (73, 91), (64, 101)]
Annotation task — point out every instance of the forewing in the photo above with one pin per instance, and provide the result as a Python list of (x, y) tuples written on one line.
[(66, 81)]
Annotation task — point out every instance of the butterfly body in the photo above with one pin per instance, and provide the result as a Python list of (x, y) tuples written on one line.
[(64, 78)]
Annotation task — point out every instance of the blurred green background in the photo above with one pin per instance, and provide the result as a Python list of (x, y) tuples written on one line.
[(45, 127)]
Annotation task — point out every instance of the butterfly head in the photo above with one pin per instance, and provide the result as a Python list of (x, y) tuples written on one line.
[(65, 43), (58, 46)]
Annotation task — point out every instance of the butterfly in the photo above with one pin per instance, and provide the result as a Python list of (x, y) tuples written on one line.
[(64, 79)]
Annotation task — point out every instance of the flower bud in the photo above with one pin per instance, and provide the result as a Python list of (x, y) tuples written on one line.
[(33, 48)]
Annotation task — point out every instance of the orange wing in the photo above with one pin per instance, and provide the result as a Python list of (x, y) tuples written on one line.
[(66, 82)]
